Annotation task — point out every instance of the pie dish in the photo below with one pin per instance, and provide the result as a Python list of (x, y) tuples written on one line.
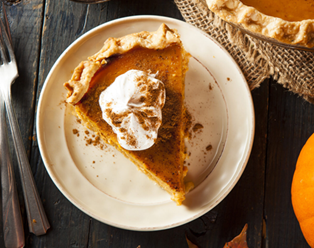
[(160, 53), (284, 21)]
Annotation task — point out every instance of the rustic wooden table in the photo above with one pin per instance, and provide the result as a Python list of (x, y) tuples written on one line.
[(42, 29)]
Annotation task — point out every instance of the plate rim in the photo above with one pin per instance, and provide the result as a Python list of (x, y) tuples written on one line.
[(68, 195)]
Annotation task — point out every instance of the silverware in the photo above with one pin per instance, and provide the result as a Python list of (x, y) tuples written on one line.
[(37, 220), (13, 231)]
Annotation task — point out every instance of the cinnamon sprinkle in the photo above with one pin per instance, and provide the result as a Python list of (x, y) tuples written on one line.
[(188, 123)]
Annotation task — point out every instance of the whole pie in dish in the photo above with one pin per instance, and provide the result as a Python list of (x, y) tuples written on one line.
[(287, 21), (100, 87)]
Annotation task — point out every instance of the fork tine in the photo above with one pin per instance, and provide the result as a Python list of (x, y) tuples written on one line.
[(6, 44), (6, 23)]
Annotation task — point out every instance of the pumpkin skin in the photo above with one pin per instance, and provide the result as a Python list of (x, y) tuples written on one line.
[(302, 190)]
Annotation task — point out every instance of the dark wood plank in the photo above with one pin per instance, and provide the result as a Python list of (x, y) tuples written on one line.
[(64, 21), (290, 124), (106, 236), (25, 21)]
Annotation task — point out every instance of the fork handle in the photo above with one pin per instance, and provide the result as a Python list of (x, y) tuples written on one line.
[(37, 219), (12, 221)]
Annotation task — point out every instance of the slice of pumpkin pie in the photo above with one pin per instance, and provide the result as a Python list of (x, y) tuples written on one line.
[(131, 93)]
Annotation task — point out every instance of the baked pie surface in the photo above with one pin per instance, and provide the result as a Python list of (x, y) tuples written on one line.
[(160, 53), (290, 22)]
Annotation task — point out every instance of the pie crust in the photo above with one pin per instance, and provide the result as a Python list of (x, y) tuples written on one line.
[(161, 50), (79, 83), (292, 33)]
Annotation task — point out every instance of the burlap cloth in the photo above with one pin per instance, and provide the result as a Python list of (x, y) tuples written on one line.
[(257, 59)]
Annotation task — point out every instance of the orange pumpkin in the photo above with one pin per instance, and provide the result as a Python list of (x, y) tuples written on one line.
[(302, 190)]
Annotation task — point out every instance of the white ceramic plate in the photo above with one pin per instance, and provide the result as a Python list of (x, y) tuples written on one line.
[(106, 185)]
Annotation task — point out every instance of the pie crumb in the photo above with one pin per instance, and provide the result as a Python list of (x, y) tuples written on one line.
[(75, 131), (209, 147), (197, 127)]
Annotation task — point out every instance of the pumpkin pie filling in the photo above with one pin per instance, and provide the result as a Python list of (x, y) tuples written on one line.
[(289, 10), (169, 135), (285, 21), (162, 162)]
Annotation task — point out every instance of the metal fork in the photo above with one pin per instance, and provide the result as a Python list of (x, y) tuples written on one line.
[(37, 220)]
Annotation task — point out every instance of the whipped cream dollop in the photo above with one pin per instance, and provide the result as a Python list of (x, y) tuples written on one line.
[(132, 106)]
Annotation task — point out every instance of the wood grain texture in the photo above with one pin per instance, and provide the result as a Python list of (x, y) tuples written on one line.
[(43, 29), (25, 21), (290, 124)]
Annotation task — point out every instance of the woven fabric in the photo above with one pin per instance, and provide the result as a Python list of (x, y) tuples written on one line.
[(292, 68)]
